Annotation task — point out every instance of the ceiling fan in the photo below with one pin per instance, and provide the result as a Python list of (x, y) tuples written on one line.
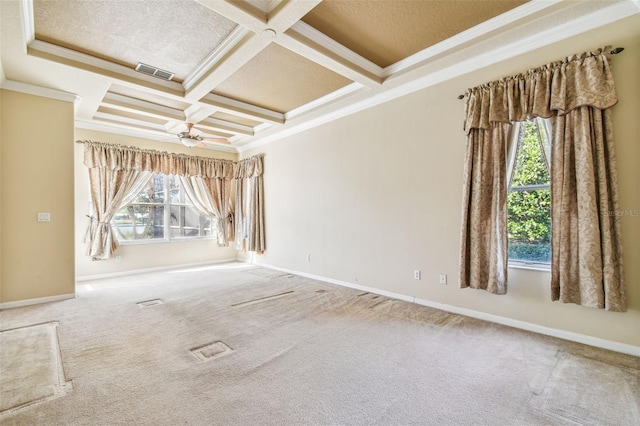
[(192, 137)]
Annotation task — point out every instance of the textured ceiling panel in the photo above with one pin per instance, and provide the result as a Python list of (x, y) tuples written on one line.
[(174, 35), (280, 80), (394, 30)]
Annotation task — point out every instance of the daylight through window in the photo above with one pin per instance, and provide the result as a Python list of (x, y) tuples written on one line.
[(529, 199), (161, 211)]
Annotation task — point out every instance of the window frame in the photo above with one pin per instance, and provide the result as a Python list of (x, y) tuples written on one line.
[(167, 226)]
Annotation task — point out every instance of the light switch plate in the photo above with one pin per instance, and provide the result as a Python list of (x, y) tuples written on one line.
[(44, 217)]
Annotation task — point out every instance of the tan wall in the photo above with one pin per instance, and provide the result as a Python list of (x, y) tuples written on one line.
[(37, 176), (138, 256), (377, 194), (1, 92)]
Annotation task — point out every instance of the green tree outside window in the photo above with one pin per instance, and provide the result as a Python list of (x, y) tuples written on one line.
[(529, 199)]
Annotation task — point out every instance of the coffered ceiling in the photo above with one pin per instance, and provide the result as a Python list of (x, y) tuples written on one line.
[(250, 71)]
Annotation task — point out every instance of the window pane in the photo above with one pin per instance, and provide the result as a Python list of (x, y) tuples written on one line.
[(139, 222), (153, 192), (531, 168), (529, 225), (529, 209), (184, 222), (178, 195)]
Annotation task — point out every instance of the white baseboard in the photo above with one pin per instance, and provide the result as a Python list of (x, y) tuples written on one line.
[(523, 325), (154, 269), (36, 301)]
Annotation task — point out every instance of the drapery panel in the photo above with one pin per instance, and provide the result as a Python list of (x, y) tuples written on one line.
[(212, 197), (116, 168), (250, 227), (110, 191), (484, 247), (586, 245), (585, 239)]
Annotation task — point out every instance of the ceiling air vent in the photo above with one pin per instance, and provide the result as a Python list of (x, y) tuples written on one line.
[(154, 72)]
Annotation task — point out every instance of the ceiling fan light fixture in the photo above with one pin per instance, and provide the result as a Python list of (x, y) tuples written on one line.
[(190, 142)]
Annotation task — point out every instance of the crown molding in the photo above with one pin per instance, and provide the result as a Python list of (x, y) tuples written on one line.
[(45, 92), (494, 24)]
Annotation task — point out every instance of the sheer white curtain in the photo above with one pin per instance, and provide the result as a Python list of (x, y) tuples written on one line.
[(212, 197)]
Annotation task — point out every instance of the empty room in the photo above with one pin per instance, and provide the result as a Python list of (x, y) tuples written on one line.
[(319, 212)]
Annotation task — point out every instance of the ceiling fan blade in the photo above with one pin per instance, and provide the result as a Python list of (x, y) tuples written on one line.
[(200, 145)]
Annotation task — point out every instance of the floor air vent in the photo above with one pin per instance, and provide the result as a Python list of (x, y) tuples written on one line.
[(152, 302), (154, 72), (211, 351)]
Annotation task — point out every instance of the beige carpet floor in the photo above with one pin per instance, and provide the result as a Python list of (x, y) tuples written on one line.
[(241, 345)]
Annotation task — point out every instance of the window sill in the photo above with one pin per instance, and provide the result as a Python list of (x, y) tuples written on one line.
[(163, 241), (530, 266)]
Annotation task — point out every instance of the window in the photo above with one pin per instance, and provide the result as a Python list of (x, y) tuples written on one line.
[(529, 199), (161, 211)]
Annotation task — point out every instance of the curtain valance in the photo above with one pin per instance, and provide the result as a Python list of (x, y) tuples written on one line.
[(579, 80), (121, 157), (249, 167)]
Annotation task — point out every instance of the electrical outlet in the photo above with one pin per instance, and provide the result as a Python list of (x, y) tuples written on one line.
[(308, 257), (416, 274), (443, 279)]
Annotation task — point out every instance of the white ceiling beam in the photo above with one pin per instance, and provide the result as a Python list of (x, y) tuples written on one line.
[(288, 12), (244, 43), (243, 109), (125, 103), (217, 124), (215, 57), (285, 15), (226, 65), (247, 18), (49, 51), (149, 109), (115, 118), (330, 60)]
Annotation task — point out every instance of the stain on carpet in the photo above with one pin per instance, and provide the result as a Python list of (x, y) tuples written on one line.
[(269, 273), (263, 299), (31, 367), (580, 387)]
